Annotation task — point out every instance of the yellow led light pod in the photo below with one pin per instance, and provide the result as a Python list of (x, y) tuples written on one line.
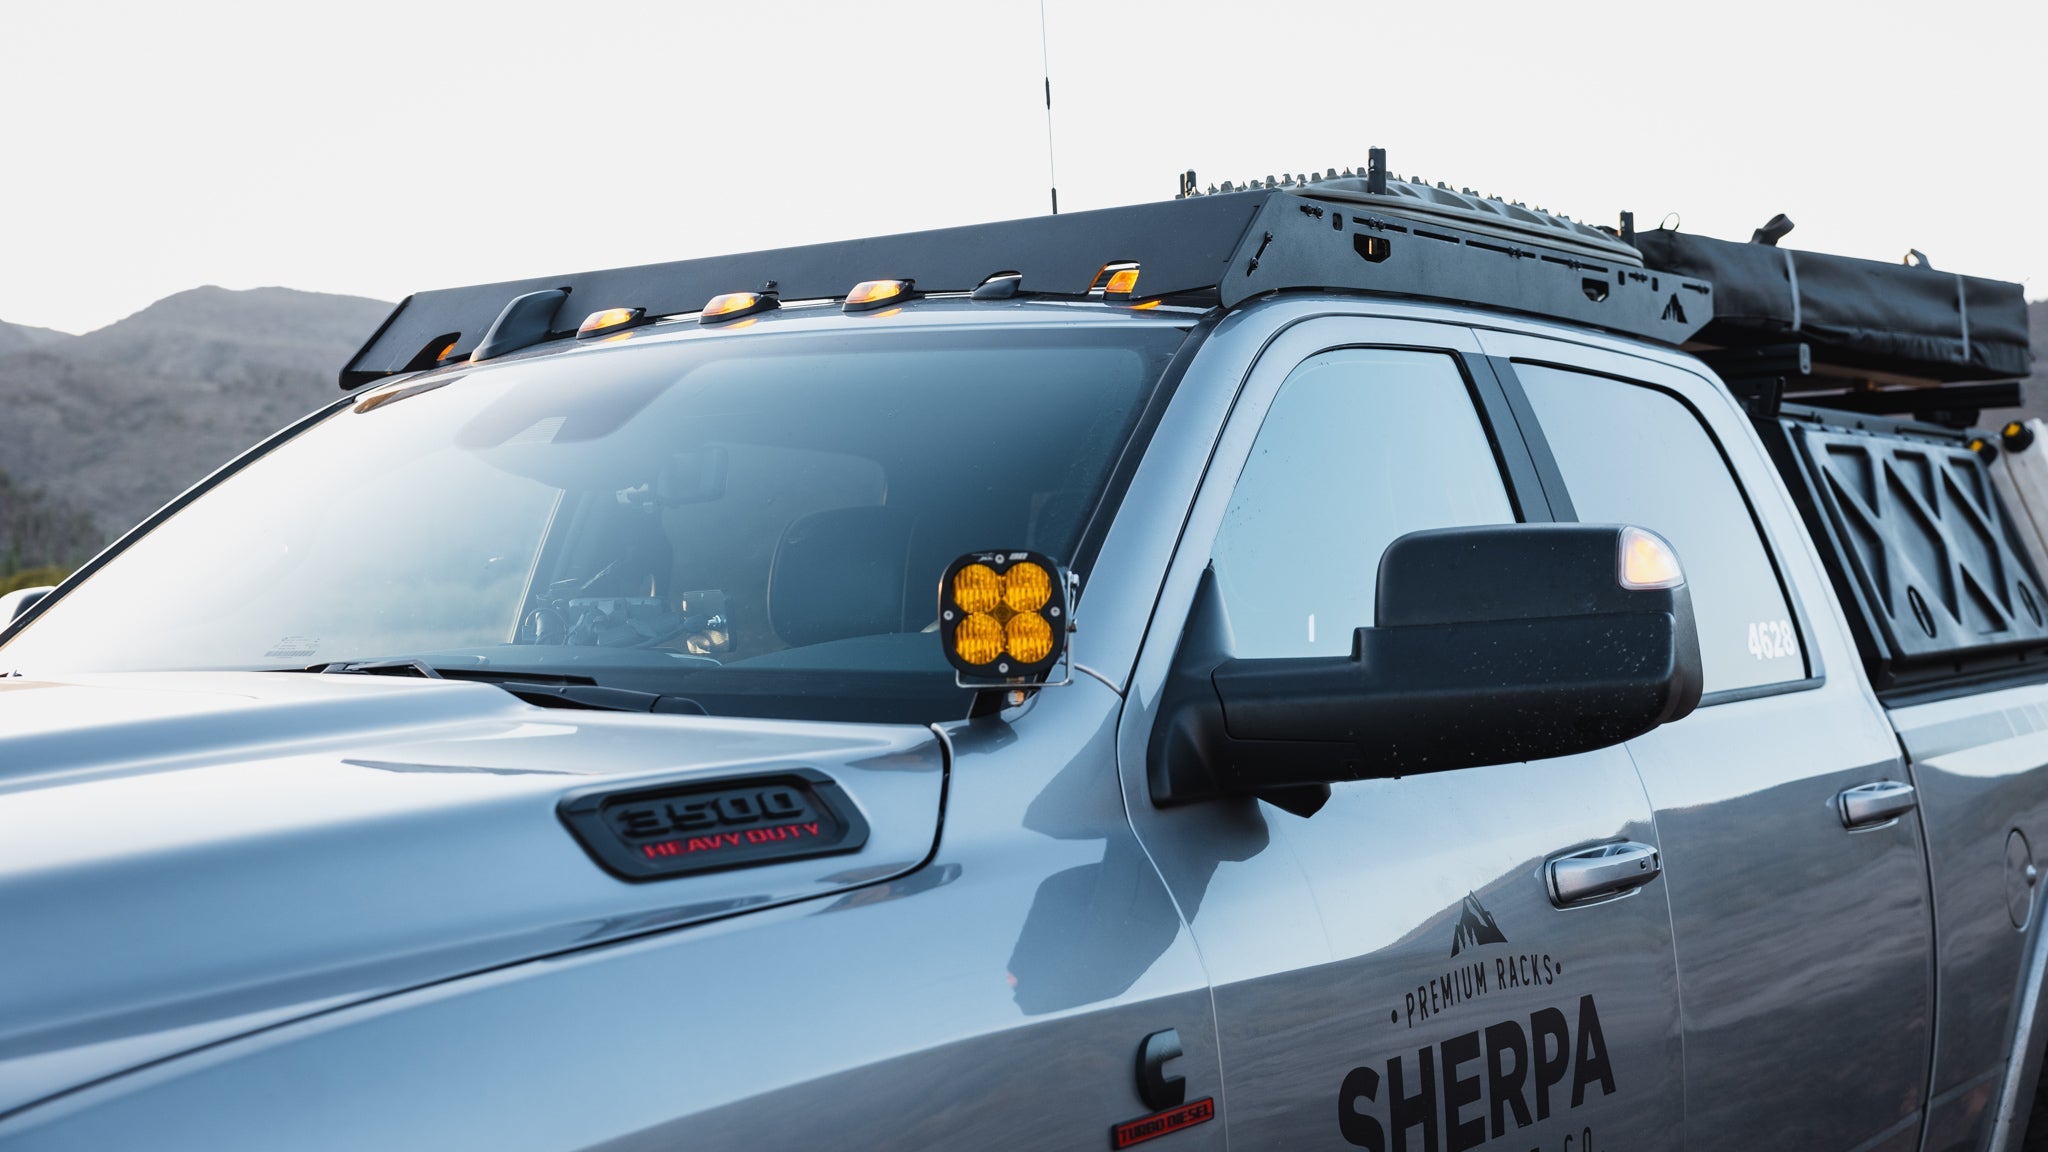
[(980, 639), (977, 588), (1003, 616), (608, 320), (733, 305), (870, 294), (1028, 637), (1026, 587), (1647, 561)]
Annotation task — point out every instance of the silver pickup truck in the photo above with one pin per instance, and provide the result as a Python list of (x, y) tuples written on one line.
[(1319, 666)]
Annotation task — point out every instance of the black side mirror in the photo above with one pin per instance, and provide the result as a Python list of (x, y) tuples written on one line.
[(1494, 644)]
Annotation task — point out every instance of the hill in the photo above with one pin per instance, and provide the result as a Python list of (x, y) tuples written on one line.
[(114, 423), (15, 337)]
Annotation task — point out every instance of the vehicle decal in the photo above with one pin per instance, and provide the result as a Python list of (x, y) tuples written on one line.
[(1475, 927), (1773, 639), (1159, 1124), (650, 833), (1461, 1092), (1475, 976), (1472, 980)]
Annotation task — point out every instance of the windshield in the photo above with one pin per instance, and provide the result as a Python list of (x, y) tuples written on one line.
[(756, 523)]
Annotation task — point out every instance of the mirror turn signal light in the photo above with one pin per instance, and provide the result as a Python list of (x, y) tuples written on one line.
[(733, 305), (1003, 615), (1121, 284), (1647, 561), (609, 320), (871, 294)]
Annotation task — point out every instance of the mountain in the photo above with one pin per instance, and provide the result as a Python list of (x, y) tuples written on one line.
[(39, 531), (116, 422), (15, 337)]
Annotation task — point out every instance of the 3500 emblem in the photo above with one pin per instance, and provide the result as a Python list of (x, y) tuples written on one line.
[(649, 833)]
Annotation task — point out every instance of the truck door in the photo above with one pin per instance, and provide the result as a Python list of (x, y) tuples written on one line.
[(1800, 905), (1391, 972)]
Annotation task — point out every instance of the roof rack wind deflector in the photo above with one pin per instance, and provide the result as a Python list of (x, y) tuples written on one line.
[(526, 321)]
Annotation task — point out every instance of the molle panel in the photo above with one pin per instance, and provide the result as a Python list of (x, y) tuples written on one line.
[(1924, 551)]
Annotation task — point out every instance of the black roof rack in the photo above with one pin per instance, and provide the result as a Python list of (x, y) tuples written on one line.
[(1241, 244)]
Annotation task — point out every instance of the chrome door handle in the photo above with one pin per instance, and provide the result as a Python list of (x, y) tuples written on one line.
[(1601, 871), (1869, 805)]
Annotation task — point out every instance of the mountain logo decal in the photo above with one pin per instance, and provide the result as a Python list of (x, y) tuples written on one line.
[(1475, 927)]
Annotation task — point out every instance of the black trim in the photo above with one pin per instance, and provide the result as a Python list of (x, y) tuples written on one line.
[(1532, 434), (1096, 531), (1758, 691), (1502, 410)]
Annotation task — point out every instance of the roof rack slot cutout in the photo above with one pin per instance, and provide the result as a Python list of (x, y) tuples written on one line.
[(433, 353), (1116, 280)]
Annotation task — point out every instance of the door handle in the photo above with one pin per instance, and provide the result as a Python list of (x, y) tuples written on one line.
[(1601, 871), (1869, 805)]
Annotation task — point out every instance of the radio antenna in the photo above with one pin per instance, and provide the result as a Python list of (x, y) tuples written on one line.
[(1045, 56)]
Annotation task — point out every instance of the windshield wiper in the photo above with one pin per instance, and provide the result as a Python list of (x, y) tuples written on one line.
[(543, 690)]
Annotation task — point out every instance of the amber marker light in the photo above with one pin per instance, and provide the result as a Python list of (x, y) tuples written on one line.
[(1121, 283), (608, 320), (1647, 561), (1003, 616), (871, 294), (733, 305)]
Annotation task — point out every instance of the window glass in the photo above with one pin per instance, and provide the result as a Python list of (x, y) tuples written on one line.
[(757, 523), (1631, 454), (1362, 445)]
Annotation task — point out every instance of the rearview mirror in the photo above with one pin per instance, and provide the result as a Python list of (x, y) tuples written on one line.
[(1493, 644)]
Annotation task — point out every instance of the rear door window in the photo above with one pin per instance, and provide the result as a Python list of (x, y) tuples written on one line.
[(1633, 454)]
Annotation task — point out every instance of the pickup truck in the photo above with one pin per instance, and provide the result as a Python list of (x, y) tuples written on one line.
[(1326, 665)]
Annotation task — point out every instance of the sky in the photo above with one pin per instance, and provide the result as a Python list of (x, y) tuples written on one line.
[(376, 148)]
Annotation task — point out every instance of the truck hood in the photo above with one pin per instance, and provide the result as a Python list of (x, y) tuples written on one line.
[(187, 857)]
